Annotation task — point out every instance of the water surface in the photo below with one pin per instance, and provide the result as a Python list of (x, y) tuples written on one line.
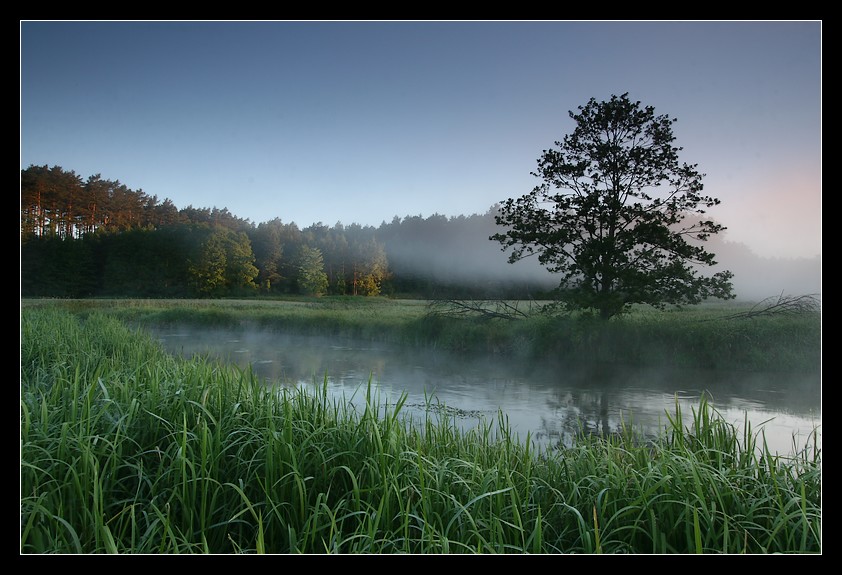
[(548, 401)]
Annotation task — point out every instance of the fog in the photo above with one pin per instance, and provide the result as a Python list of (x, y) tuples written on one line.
[(459, 251), (756, 278)]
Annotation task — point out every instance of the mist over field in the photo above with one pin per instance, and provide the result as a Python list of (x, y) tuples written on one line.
[(468, 261), (756, 278), (460, 252)]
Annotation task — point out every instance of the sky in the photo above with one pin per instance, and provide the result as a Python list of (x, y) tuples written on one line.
[(362, 121)]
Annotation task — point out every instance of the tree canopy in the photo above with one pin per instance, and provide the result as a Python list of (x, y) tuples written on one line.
[(609, 215)]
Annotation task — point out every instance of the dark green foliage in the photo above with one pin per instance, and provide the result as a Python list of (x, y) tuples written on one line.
[(312, 279), (145, 262), (220, 262), (52, 266), (175, 261), (610, 214), (268, 245)]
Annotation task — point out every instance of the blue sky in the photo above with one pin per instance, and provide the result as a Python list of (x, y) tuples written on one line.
[(359, 122)]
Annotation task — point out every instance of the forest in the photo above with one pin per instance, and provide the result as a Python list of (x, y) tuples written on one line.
[(95, 237)]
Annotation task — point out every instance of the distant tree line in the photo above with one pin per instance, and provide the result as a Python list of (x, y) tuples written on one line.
[(98, 238)]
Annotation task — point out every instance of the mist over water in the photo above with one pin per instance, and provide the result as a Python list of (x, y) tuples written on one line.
[(549, 401)]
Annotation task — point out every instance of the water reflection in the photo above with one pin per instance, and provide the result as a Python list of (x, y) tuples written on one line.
[(550, 402)]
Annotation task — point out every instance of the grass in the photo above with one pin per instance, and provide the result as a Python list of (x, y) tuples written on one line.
[(695, 337), (125, 449)]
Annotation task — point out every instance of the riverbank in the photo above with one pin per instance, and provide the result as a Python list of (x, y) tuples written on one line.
[(706, 336), (125, 449)]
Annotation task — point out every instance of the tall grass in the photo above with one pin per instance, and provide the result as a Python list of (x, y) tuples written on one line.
[(125, 449)]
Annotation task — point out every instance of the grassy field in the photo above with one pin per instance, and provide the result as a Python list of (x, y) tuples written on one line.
[(125, 449), (697, 336)]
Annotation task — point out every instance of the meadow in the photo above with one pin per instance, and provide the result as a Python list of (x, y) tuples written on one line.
[(126, 449), (706, 336)]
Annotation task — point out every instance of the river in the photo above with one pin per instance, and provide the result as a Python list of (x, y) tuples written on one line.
[(548, 401)]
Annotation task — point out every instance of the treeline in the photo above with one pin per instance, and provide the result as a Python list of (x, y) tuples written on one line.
[(98, 238)]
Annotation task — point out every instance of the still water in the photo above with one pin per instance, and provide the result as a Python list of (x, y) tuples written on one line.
[(548, 401)]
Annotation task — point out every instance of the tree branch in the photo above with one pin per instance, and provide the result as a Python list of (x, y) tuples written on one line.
[(783, 305), (483, 309)]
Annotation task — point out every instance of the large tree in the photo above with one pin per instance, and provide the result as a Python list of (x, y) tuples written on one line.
[(609, 214)]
